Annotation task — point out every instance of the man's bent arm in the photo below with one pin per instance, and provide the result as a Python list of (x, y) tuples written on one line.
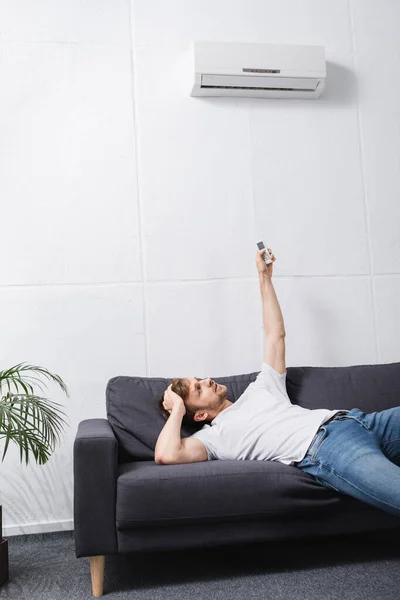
[(272, 314), (168, 445)]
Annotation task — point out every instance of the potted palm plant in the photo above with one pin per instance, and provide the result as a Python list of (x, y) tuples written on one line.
[(29, 420)]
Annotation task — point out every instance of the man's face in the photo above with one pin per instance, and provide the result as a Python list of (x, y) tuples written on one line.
[(207, 396)]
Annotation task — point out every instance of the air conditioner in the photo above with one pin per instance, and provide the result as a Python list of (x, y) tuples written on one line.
[(258, 70)]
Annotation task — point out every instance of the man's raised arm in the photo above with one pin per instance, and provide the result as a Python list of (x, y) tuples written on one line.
[(272, 314)]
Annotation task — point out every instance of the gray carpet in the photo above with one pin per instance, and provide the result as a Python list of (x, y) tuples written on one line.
[(361, 567)]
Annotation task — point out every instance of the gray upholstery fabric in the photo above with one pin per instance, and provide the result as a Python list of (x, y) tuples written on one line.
[(95, 486), (124, 501), (235, 531), (215, 491)]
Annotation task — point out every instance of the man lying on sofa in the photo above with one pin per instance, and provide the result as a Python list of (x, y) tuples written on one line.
[(350, 451)]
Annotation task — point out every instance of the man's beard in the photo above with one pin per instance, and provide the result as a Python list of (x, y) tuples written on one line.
[(221, 397)]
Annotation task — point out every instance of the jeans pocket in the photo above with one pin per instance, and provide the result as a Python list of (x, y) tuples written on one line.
[(318, 442)]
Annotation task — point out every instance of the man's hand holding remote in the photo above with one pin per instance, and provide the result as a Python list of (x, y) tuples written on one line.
[(264, 269)]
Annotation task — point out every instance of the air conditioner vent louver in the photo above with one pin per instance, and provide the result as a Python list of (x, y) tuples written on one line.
[(257, 82), (238, 87)]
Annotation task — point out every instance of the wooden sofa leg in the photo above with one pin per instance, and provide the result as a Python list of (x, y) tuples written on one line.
[(97, 574)]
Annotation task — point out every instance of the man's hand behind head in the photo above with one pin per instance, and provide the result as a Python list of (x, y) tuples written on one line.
[(171, 398)]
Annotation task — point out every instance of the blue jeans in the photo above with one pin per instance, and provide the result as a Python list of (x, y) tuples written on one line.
[(358, 454)]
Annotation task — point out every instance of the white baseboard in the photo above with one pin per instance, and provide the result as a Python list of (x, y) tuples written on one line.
[(46, 527)]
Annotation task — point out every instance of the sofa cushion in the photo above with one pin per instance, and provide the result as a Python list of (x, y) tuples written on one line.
[(152, 495), (132, 402)]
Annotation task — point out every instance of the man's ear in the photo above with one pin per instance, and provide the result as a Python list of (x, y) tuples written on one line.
[(200, 416)]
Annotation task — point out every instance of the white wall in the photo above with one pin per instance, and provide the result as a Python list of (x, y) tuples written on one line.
[(128, 228)]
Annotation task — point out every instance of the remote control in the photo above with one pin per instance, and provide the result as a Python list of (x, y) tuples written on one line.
[(266, 255)]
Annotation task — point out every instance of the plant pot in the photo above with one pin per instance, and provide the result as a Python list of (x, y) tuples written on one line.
[(3, 553)]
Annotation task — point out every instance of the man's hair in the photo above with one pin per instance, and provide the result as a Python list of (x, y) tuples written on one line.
[(181, 387)]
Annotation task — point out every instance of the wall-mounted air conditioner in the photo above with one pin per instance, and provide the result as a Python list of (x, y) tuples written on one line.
[(258, 70)]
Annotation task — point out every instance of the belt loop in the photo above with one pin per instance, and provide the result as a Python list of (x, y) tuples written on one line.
[(341, 413)]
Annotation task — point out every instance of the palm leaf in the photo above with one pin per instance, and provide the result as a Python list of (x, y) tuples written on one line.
[(31, 421), (13, 376)]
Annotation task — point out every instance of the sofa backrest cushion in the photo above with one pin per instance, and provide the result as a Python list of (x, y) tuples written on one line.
[(132, 402)]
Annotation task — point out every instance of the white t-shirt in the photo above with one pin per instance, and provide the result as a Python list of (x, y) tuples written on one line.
[(263, 424)]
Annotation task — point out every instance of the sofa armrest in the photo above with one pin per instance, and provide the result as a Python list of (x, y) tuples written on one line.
[(95, 485)]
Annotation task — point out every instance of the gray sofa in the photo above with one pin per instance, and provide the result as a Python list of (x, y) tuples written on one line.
[(125, 502)]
